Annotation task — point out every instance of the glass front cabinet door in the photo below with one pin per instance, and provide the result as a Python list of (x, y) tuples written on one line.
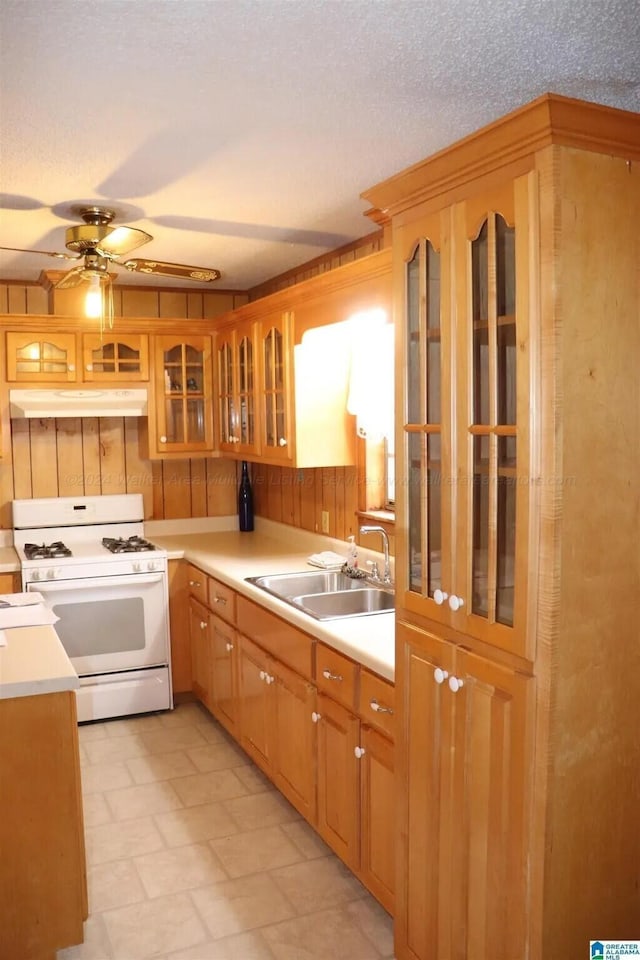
[(467, 383), (236, 390), (276, 418), (115, 357), (41, 357), (184, 420)]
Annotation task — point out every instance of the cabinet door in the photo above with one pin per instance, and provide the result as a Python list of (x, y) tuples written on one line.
[(225, 379), (294, 702), (255, 681), (422, 927), (378, 816), (275, 413), (236, 363), (200, 651), (41, 357), (489, 800), (183, 385), (494, 408), (224, 694), (338, 780), (115, 357)]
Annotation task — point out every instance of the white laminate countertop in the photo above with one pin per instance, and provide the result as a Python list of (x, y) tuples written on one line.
[(9, 562), (34, 661), (231, 556)]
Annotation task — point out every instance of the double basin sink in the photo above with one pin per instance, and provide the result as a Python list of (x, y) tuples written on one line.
[(327, 594)]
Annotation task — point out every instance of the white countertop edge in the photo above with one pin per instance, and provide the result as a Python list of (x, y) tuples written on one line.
[(34, 662), (30, 688)]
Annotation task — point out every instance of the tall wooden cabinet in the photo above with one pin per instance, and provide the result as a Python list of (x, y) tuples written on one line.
[(516, 257)]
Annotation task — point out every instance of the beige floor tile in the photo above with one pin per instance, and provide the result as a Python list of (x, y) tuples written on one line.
[(374, 921), (190, 824), (115, 749), (306, 839), (255, 851), (212, 731), (114, 884), (240, 905), (160, 766), (177, 869), (121, 839), (166, 739), (184, 713), (127, 726), (96, 944), (208, 787), (261, 810), (320, 936), (147, 798), (92, 731), (253, 779), (95, 810), (154, 928), (242, 946), (318, 884), (100, 777), (217, 756)]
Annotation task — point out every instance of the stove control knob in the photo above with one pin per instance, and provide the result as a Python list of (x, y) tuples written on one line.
[(35, 575), (136, 567), (152, 565), (52, 574)]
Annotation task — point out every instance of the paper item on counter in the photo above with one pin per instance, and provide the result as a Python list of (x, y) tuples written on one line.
[(29, 615), (327, 560), (20, 599)]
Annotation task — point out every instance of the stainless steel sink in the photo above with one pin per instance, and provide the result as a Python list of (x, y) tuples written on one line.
[(327, 594), (286, 585)]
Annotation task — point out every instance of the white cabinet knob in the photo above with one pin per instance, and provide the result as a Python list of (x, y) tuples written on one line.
[(316, 716), (439, 596), (359, 752), (71, 367), (332, 676), (163, 439), (282, 442), (229, 647), (455, 684), (194, 583), (89, 367), (440, 675), (269, 679), (203, 624), (455, 602), (262, 675), (379, 708)]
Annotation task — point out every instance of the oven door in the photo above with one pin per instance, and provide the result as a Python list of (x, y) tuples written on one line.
[(110, 623)]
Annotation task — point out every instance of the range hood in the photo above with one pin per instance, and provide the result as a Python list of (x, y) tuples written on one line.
[(77, 403)]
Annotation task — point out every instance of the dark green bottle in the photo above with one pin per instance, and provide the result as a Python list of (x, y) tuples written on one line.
[(245, 500)]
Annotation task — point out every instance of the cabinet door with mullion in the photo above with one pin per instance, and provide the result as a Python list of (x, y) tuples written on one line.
[(494, 244), (425, 491), (276, 415)]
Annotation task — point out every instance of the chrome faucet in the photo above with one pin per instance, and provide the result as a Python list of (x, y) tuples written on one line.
[(386, 574)]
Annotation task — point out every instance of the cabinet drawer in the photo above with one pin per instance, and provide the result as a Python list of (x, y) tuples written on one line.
[(336, 675), (197, 583), (284, 641), (222, 600), (377, 702)]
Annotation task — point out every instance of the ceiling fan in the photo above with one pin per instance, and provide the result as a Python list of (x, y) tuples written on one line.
[(98, 245)]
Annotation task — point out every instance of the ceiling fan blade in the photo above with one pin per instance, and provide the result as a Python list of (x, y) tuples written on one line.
[(178, 270), (73, 278), (45, 253), (121, 240)]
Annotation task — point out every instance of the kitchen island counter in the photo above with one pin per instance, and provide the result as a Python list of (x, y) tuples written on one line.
[(231, 556), (34, 662)]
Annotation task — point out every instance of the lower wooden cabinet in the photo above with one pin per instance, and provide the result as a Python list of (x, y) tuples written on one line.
[(462, 771), (317, 723)]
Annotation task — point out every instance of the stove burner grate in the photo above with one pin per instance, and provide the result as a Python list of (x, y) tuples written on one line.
[(43, 551), (130, 545)]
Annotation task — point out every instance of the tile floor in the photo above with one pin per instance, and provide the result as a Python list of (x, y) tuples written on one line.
[(193, 855)]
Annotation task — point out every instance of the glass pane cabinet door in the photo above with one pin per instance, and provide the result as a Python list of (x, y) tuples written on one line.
[(275, 427), (246, 398), (226, 407), (424, 423), (123, 358), (187, 400)]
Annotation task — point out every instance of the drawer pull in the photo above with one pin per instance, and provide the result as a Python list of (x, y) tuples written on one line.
[(194, 583), (359, 752), (218, 599), (203, 624), (316, 716), (229, 647), (379, 707), (332, 676)]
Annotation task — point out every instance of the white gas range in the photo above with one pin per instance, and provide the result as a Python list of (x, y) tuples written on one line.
[(89, 559)]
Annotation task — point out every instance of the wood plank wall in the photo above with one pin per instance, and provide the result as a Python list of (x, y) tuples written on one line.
[(89, 456)]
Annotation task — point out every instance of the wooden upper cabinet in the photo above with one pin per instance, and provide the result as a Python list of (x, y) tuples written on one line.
[(115, 356), (236, 409), (466, 378), (277, 440), (183, 422), (41, 357)]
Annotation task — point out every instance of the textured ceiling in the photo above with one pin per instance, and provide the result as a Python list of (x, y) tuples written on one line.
[(240, 133)]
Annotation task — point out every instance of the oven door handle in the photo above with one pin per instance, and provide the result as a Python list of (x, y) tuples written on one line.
[(51, 586)]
